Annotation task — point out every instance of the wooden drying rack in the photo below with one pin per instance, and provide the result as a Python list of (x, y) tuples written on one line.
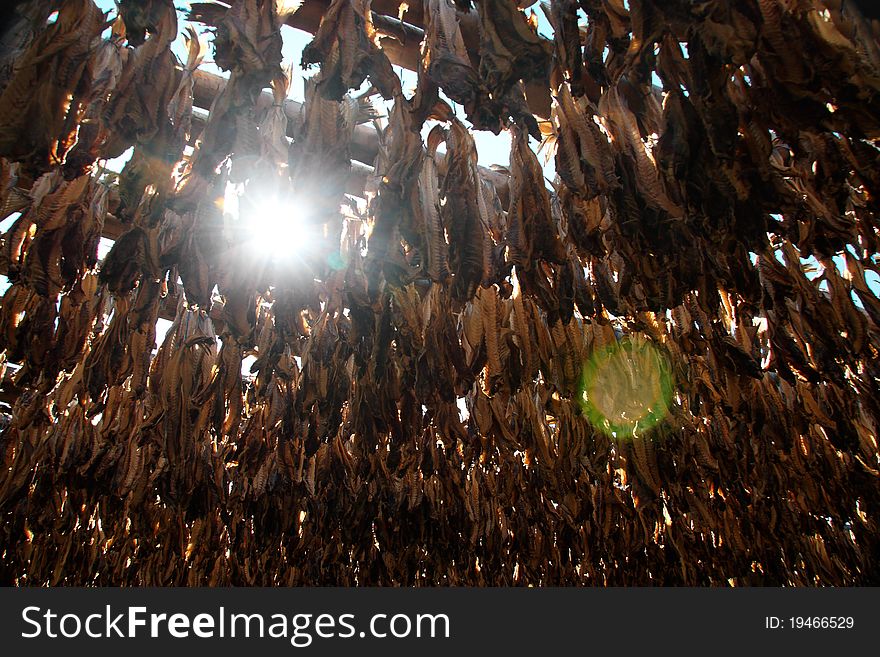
[(401, 42)]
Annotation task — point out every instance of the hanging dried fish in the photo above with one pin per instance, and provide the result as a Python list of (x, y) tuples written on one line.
[(467, 377), (345, 47), (137, 111), (510, 49), (461, 214), (532, 232), (447, 65), (35, 102)]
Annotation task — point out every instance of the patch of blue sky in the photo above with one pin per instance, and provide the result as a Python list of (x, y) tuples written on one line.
[(162, 326), (544, 27), (6, 224), (104, 246)]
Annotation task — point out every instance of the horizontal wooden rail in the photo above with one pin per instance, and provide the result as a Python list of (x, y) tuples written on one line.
[(364, 145)]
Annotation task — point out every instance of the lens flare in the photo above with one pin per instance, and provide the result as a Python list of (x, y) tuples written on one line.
[(627, 388), (336, 260), (275, 225)]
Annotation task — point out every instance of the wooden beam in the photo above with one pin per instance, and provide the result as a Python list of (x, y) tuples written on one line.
[(207, 86), (365, 141)]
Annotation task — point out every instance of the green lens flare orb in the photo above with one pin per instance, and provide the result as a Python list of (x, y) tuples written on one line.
[(336, 261), (626, 388)]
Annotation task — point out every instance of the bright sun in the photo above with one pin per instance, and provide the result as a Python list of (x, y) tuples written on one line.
[(278, 228), (275, 226)]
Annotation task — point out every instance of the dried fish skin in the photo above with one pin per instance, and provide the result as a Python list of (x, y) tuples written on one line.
[(137, 111), (532, 231), (448, 65), (461, 214), (143, 17), (510, 49), (34, 104), (248, 44), (344, 45)]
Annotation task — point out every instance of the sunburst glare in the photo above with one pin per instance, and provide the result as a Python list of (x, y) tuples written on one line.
[(275, 226)]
